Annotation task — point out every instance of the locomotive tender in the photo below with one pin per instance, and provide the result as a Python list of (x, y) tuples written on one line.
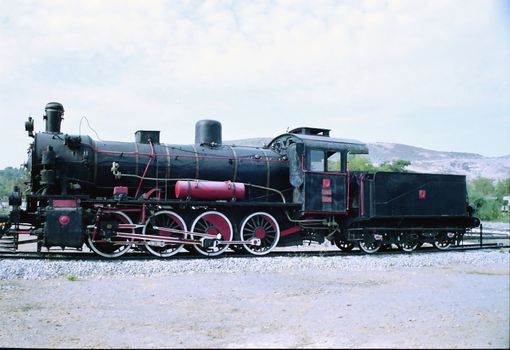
[(208, 197)]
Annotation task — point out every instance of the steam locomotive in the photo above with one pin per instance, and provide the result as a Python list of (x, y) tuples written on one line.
[(208, 197)]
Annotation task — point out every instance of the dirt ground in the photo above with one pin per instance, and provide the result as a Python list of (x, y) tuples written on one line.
[(457, 307)]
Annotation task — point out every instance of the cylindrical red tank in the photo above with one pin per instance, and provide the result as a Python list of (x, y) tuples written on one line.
[(211, 190)]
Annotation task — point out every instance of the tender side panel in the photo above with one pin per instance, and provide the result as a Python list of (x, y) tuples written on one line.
[(408, 194)]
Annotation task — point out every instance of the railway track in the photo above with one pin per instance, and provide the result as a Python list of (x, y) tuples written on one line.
[(280, 252)]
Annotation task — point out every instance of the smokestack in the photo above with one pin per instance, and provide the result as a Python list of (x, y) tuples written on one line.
[(53, 116)]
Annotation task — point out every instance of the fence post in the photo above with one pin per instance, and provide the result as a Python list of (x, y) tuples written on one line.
[(481, 235)]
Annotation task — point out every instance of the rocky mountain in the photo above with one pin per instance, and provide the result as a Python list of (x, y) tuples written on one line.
[(426, 161)]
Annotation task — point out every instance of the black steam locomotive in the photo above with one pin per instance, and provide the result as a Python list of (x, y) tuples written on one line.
[(208, 197)]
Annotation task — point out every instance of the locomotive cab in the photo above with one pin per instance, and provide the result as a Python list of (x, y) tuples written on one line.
[(318, 169)]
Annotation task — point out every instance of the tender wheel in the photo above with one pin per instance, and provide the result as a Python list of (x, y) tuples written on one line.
[(370, 247), (344, 246), (264, 227), (408, 246), (111, 247), (442, 243), (166, 220), (212, 222)]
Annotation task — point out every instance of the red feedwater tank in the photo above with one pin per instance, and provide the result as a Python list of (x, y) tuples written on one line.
[(196, 189)]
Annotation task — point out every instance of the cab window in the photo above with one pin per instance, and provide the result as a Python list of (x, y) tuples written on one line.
[(334, 163), (316, 160)]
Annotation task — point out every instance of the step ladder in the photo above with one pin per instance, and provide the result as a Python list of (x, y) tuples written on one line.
[(8, 244)]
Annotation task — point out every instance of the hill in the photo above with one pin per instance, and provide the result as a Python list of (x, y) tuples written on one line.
[(472, 165), (423, 160)]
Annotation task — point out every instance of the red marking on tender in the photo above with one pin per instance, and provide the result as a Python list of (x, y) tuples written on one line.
[(326, 183), (422, 194)]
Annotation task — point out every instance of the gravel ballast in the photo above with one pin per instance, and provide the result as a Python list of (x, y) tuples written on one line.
[(419, 300), (47, 269)]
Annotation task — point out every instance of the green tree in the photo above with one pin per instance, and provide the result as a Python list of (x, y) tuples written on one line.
[(486, 208), (396, 166), (503, 188), (487, 197), (364, 164), (361, 164), (483, 186), (10, 177)]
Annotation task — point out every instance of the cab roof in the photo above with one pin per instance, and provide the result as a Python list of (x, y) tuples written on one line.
[(319, 138)]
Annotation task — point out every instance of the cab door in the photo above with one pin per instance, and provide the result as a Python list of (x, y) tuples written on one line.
[(325, 181)]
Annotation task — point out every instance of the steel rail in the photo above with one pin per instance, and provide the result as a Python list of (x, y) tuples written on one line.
[(90, 256)]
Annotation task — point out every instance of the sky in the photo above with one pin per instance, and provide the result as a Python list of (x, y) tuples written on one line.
[(433, 74)]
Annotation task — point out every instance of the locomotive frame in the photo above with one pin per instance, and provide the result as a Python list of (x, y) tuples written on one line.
[(207, 197)]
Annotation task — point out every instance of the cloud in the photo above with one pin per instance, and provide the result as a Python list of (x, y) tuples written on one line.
[(287, 61), (227, 45)]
